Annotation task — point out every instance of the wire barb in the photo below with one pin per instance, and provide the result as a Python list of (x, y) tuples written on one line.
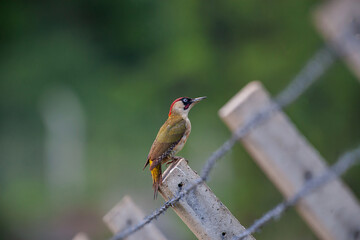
[(346, 161), (314, 68)]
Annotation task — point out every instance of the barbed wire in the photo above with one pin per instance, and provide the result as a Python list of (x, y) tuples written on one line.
[(314, 68), (346, 161)]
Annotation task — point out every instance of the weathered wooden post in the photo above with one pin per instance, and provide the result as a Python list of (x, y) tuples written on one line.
[(125, 214), (289, 161), (339, 21), (200, 210)]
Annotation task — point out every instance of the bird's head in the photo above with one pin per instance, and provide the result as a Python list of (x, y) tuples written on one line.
[(182, 106)]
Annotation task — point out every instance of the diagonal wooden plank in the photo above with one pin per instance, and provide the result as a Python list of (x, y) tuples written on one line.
[(339, 22), (205, 215)]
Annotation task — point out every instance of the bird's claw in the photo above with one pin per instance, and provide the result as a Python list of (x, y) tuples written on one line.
[(174, 160)]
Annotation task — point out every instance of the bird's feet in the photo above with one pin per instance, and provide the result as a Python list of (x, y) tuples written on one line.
[(174, 160), (177, 159)]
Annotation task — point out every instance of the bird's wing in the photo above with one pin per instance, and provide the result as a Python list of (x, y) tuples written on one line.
[(167, 138)]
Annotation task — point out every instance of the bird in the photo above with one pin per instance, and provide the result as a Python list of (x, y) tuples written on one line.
[(171, 138)]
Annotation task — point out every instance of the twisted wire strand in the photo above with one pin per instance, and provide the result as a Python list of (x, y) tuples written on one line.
[(346, 161)]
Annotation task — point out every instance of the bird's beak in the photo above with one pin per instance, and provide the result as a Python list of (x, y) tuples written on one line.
[(196, 100)]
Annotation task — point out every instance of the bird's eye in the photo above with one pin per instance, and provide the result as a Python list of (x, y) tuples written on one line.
[(185, 100)]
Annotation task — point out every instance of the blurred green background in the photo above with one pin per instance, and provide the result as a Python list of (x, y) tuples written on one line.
[(85, 86)]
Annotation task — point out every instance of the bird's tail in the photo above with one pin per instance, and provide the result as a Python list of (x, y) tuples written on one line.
[(157, 178)]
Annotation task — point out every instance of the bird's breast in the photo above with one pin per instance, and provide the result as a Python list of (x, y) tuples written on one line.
[(184, 138)]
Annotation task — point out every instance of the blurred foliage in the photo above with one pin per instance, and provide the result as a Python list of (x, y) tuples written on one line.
[(126, 61)]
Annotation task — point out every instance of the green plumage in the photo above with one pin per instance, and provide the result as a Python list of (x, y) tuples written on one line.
[(172, 130), (168, 136)]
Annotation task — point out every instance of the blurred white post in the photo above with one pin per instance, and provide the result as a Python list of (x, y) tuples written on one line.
[(339, 21), (205, 215), (289, 160), (81, 236), (64, 121), (125, 214)]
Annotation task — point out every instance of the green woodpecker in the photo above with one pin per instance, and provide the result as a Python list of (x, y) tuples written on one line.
[(171, 138)]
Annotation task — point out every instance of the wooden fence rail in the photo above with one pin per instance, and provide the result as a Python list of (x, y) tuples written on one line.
[(205, 215), (124, 215), (339, 22)]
